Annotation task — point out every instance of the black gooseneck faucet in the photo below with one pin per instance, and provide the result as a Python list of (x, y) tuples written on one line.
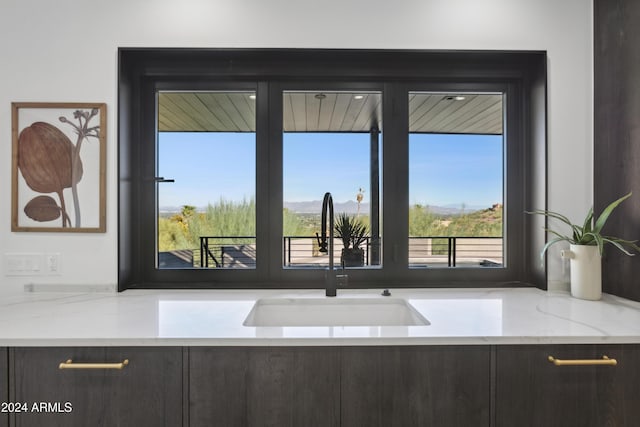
[(327, 246)]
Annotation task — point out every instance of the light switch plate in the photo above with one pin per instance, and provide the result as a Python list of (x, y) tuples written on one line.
[(23, 264)]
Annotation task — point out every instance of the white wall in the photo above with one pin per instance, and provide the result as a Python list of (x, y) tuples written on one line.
[(66, 50)]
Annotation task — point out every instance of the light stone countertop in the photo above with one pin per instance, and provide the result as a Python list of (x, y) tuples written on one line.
[(215, 318)]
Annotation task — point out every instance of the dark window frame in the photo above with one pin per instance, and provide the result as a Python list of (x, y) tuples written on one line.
[(522, 75)]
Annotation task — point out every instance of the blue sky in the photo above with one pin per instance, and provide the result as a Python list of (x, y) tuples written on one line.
[(206, 167), (315, 163), (451, 170), (445, 170)]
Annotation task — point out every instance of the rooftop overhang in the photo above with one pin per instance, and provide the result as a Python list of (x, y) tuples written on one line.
[(311, 111)]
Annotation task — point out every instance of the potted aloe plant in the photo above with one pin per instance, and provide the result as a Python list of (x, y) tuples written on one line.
[(353, 233), (586, 247)]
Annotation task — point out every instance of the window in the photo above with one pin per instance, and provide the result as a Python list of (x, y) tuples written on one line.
[(456, 180), (331, 143), (206, 148), (225, 157)]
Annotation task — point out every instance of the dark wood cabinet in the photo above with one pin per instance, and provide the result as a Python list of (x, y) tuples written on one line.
[(616, 136), (264, 386), (255, 386), (146, 392), (532, 391), (351, 386), (340, 386), (416, 386), (4, 386)]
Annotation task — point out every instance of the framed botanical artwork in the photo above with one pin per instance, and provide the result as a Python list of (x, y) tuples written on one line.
[(58, 167)]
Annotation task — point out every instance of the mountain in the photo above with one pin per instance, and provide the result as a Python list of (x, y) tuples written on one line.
[(453, 210), (350, 207), (314, 206)]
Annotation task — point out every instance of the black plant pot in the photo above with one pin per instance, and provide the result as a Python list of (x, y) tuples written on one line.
[(352, 257)]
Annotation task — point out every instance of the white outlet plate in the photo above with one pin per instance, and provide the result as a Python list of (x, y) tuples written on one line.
[(23, 264), (52, 263)]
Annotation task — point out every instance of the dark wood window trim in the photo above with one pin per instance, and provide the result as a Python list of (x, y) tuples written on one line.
[(521, 74)]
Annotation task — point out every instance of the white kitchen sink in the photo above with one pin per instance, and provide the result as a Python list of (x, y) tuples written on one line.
[(334, 312)]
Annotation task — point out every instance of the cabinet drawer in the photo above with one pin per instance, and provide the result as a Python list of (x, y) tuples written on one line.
[(94, 391), (533, 391)]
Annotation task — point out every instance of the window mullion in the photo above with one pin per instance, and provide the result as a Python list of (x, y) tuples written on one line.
[(395, 180), (270, 191)]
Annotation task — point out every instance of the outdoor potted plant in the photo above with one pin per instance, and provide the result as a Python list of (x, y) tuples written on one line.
[(586, 247), (353, 233)]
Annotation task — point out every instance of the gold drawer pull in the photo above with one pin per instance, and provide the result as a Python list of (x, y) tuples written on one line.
[(582, 362), (70, 365)]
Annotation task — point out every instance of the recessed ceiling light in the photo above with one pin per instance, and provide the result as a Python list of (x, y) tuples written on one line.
[(320, 96), (455, 98), (252, 97), (358, 97), (460, 98)]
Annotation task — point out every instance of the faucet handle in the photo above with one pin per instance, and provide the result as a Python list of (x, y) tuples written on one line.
[(322, 243)]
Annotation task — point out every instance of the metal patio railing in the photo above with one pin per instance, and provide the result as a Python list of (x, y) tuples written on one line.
[(302, 251)]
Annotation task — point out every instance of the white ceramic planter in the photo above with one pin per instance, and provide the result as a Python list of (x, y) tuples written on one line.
[(586, 271)]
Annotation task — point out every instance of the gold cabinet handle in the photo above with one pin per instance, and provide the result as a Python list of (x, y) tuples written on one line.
[(70, 365), (583, 362)]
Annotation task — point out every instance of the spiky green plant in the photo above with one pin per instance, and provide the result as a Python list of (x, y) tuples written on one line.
[(351, 230), (590, 232)]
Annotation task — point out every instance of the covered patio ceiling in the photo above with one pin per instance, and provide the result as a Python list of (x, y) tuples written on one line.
[(429, 112)]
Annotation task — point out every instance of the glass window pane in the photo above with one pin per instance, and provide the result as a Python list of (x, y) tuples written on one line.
[(456, 180), (206, 201), (331, 143)]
